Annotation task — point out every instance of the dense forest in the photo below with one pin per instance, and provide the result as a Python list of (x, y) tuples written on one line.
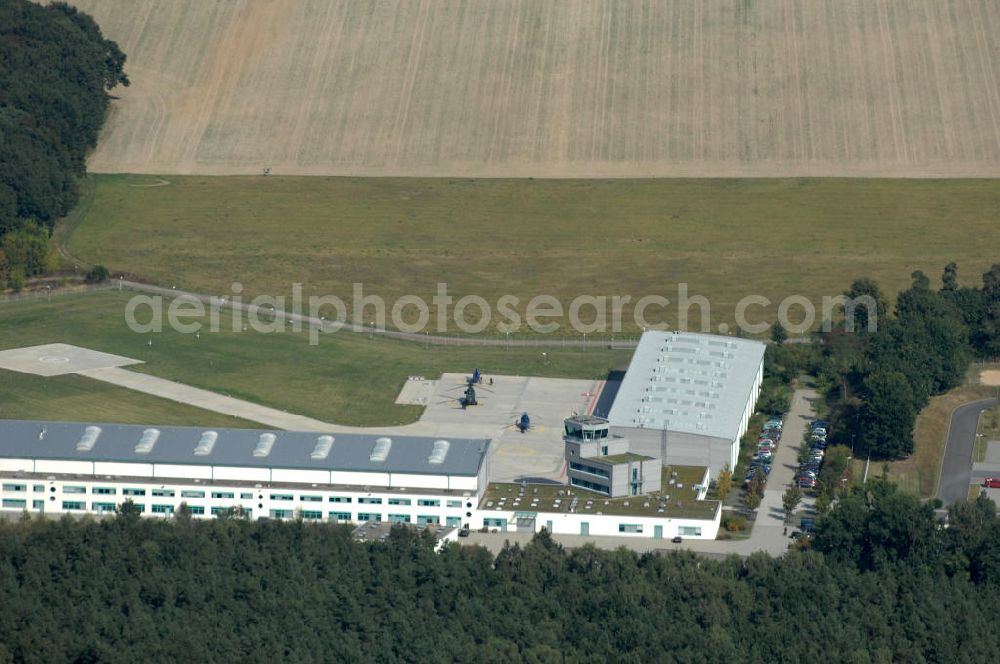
[(877, 378), (56, 69), (884, 581)]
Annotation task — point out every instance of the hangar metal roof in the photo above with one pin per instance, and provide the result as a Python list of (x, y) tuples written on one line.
[(24, 439), (688, 383)]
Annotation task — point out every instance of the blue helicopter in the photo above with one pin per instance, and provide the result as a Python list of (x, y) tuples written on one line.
[(523, 423)]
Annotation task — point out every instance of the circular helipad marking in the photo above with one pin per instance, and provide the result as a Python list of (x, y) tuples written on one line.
[(54, 359)]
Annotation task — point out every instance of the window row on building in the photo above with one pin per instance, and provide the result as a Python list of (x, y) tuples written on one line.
[(592, 470), (591, 486), (137, 492), (59, 497), (311, 515)]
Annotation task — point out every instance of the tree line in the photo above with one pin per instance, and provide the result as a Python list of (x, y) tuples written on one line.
[(883, 582), (56, 69), (877, 376)]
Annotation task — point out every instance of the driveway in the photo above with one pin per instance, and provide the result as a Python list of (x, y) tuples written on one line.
[(956, 467), (768, 533)]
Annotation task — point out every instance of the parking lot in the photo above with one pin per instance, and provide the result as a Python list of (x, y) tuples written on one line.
[(769, 530)]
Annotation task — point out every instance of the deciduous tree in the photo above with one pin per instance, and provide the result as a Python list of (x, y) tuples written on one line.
[(887, 416), (791, 499), (725, 483)]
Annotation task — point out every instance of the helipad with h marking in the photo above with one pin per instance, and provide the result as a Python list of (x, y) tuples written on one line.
[(59, 359)]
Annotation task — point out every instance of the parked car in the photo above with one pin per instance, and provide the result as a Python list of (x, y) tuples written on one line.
[(808, 525), (806, 483), (464, 532), (819, 424), (773, 424), (992, 483), (762, 470), (677, 540)]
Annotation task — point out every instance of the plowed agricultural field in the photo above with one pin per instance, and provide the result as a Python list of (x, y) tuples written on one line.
[(579, 88)]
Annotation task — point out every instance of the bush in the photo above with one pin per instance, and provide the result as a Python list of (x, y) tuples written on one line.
[(97, 274), (734, 523), (16, 280), (28, 249), (775, 398)]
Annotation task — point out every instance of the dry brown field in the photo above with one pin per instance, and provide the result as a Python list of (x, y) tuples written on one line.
[(567, 88)]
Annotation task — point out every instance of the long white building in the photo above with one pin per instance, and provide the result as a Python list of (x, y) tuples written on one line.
[(75, 468)]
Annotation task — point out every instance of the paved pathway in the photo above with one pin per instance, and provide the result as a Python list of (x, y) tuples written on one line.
[(273, 417), (493, 420), (168, 389), (956, 466), (768, 533)]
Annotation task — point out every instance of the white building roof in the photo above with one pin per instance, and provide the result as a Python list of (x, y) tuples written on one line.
[(688, 383)]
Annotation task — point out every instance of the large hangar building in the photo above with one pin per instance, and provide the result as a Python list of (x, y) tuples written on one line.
[(687, 398)]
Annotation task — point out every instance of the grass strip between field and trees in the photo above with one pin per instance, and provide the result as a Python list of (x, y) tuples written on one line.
[(724, 239), (988, 430)]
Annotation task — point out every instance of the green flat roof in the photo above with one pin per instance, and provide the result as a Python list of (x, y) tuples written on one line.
[(670, 503), (622, 458)]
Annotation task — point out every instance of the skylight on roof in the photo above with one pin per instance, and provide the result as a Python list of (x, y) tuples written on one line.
[(439, 452), (207, 442), (323, 446), (88, 439), (381, 450), (146, 441), (264, 444)]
